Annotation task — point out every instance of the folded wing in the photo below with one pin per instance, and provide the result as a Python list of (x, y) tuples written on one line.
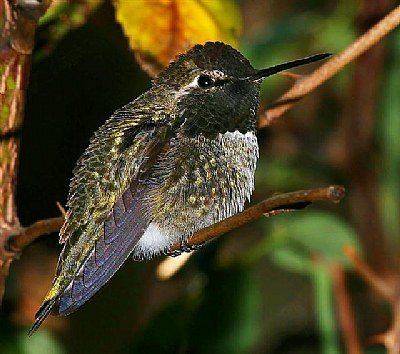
[(95, 251)]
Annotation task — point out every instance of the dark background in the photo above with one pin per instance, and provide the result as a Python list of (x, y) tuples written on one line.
[(236, 295)]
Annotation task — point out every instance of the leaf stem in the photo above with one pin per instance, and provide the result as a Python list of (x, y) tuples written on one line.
[(324, 310)]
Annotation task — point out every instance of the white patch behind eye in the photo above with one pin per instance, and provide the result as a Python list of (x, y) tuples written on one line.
[(214, 74)]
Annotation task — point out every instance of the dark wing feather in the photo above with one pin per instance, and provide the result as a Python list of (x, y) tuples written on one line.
[(44, 310), (109, 253), (121, 232)]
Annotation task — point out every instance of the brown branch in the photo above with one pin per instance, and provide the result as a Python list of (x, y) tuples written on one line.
[(354, 160), (276, 204), (19, 21), (308, 83), (18, 238), (357, 123), (391, 338), (16, 243), (369, 275), (345, 312)]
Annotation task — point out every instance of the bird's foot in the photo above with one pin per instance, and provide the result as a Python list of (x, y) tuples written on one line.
[(184, 247), (174, 253)]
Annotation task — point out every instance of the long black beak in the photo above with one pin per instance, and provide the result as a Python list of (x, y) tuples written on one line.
[(263, 73)]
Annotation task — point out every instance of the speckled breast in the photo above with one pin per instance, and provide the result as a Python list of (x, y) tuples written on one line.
[(200, 181)]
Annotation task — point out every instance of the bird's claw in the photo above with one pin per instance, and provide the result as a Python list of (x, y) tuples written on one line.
[(174, 253), (184, 247)]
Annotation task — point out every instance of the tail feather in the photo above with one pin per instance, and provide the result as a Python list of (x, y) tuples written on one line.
[(42, 313)]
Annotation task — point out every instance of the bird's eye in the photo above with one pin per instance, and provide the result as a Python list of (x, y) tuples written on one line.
[(205, 81)]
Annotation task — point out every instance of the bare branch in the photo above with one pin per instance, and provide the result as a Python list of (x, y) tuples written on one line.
[(16, 243), (308, 83), (391, 338), (280, 203), (345, 312), (369, 276)]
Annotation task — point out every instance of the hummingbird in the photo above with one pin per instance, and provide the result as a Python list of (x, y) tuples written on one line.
[(180, 157)]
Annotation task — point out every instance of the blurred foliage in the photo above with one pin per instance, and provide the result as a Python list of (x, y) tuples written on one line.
[(219, 319), (61, 17), (311, 243), (16, 341), (308, 240), (273, 292), (388, 135)]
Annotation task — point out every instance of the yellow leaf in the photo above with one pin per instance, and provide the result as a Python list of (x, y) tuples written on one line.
[(158, 30)]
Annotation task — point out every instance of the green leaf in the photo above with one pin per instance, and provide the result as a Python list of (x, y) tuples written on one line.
[(309, 235), (325, 310), (41, 342), (284, 173), (14, 340), (60, 19)]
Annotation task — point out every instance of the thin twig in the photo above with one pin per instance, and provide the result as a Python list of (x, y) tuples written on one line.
[(308, 83), (391, 338), (369, 275), (345, 312), (16, 243), (358, 119), (18, 239), (276, 204)]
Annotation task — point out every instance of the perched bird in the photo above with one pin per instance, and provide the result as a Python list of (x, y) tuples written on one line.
[(180, 157)]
